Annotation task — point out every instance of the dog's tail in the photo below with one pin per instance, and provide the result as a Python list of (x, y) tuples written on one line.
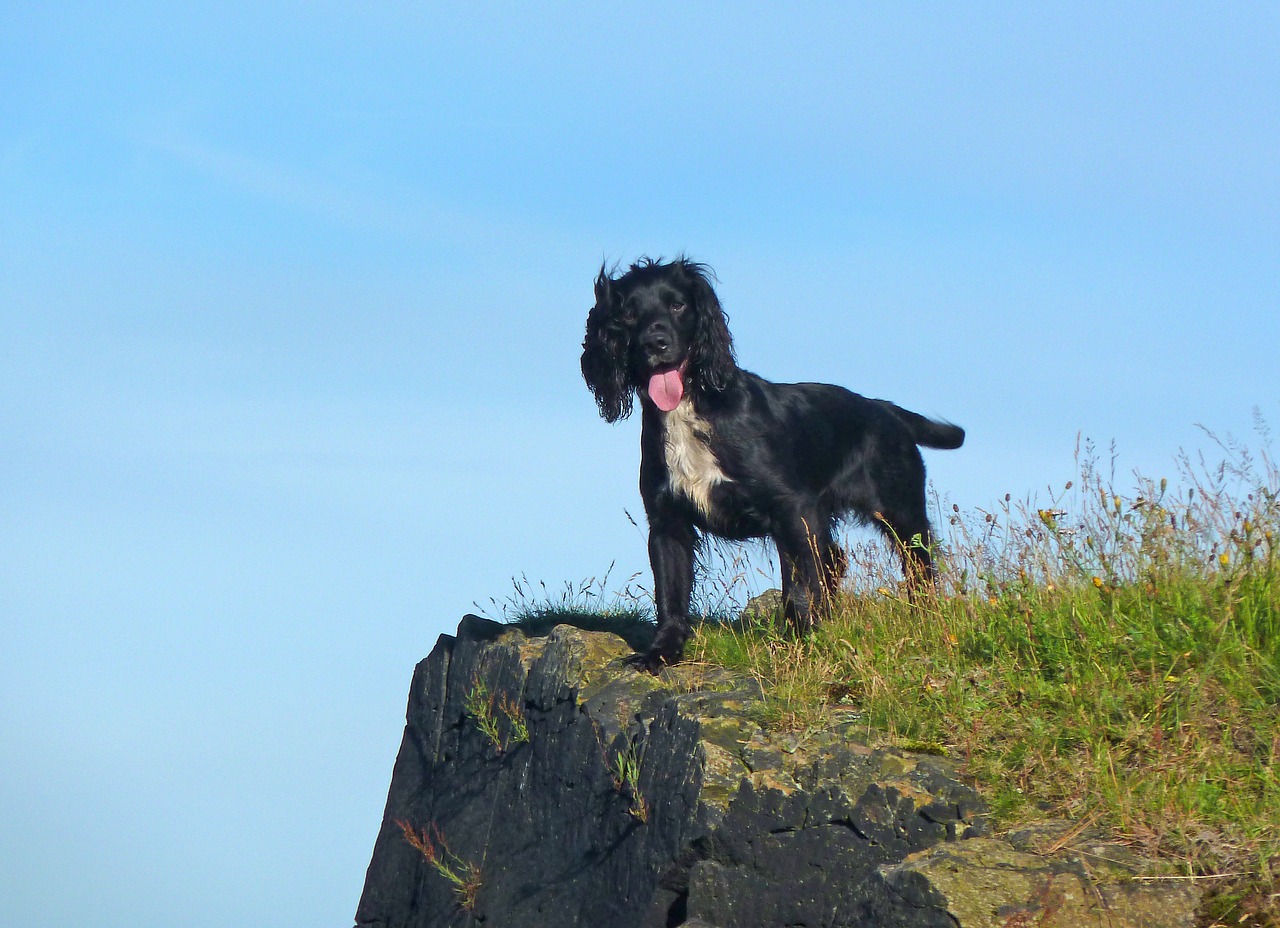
[(928, 432)]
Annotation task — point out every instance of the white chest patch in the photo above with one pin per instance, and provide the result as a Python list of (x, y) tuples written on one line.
[(691, 463)]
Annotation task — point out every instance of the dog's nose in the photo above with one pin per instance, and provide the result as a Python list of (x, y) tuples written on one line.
[(657, 337)]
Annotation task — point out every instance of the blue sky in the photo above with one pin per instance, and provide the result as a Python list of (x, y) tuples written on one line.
[(291, 302)]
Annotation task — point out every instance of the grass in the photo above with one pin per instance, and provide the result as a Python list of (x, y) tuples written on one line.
[(1106, 655), (626, 780), (1110, 656), (488, 713), (464, 876), (591, 605)]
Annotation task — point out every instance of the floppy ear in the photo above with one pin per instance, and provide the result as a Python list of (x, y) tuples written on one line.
[(711, 354), (604, 355)]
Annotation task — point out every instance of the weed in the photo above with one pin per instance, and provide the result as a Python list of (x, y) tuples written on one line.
[(479, 704), (517, 727), (626, 780), (624, 770), (464, 875)]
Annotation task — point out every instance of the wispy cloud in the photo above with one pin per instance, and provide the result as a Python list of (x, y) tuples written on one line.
[(354, 200), (338, 200)]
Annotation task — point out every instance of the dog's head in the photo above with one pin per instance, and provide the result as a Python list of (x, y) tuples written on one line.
[(659, 330)]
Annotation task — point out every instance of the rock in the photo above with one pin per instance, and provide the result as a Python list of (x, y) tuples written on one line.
[(767, 607), (555, 786), (988, 883)]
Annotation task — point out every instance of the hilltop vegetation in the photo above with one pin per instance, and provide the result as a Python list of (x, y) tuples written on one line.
[(1108, 655)]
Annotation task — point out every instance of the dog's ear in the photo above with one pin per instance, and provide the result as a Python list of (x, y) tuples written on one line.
[(604, 288), (711, 353), (604, 355)]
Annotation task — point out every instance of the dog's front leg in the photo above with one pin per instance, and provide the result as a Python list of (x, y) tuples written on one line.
[(672, 545)]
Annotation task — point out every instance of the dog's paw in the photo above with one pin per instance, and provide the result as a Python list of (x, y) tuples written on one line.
[(651, 661), (665, 651), (666, 648)]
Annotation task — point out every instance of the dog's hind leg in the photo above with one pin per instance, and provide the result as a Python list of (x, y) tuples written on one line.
[(812, 566), (913, 539), (835, 564)]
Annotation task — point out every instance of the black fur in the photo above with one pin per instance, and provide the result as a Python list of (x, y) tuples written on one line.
[(783, 461)]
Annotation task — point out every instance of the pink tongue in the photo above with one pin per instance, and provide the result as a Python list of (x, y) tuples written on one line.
[(666, 389)]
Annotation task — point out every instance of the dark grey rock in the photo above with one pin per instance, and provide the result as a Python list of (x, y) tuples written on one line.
[(571, 790)]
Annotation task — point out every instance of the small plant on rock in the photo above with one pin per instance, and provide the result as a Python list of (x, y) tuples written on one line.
[(626, 780), (464, 875), (480, 705), (517, 727)]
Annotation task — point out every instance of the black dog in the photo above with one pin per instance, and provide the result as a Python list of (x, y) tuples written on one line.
[(727, 452)]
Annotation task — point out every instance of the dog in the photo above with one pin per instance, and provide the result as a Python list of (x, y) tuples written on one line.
[(727, 453)]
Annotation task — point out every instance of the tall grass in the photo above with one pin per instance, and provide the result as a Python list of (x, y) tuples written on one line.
[(1110, 655)]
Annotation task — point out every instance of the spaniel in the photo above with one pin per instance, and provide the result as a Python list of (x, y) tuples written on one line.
[(729, 453)]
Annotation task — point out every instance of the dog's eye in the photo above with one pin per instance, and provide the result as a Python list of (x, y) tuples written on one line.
[(677, 307)]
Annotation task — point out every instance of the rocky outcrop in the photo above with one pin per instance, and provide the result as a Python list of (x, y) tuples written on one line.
[(541, 783)]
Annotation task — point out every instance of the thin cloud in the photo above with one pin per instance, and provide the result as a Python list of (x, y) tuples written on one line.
[(263, 179)]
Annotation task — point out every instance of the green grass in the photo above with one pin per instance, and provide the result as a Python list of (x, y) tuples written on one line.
[(591, 605), (1112, 657)]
